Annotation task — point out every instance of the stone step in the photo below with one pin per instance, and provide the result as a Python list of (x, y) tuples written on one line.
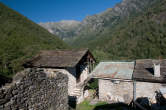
[(77, 92)]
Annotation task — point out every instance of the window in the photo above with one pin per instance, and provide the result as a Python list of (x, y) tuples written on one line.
[(115, 81)]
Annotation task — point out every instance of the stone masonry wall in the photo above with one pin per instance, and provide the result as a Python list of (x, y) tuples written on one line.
[(115, 91), (34, 89), (123, 91), (71, 73), (84, 73), (146, 89)]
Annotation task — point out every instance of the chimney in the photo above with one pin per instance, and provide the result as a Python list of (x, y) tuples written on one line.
[(157, 69)]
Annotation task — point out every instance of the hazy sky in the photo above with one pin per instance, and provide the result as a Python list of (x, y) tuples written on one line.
[(56, 10)]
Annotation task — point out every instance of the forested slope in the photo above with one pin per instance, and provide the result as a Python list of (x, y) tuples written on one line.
[(140, 36), (20, 39)]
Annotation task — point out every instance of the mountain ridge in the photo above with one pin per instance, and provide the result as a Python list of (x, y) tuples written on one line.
[(62, 28), (133, 29), (96, 23)]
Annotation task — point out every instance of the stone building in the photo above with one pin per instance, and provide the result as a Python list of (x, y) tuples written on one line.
[(115, 81), (149, 77), (77, 64), (127, 81)]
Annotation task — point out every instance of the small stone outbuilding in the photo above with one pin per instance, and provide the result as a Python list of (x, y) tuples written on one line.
[(127, 81), (77, 64), (115, 81), (149, 77)]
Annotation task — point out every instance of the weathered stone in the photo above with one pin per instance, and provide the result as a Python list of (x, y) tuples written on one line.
[(123, 91), (34, 90), (115, 92), (15, 92), (147, 89)]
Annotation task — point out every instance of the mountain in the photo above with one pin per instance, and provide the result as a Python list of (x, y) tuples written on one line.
[(95, 24), (20, 38), (140, 36), (63, 28), (133, 29)]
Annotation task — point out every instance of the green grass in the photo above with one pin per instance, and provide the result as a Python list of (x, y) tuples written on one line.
[(86, 106), (102, 106)]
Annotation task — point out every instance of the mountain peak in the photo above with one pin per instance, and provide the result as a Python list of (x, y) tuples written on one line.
[(69, 21)]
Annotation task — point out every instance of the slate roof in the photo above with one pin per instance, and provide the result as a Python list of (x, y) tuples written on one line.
[(144, 70), (57, 58), (114, 70)]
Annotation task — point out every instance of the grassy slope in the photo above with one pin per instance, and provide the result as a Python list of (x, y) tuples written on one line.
[(101, 106), (143, 36), (21, 38), (86, 106)]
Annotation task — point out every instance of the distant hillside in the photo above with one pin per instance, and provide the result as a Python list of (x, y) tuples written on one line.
[(139, 36), (132, 29), (21, 38), (64, 29), (95, 24)]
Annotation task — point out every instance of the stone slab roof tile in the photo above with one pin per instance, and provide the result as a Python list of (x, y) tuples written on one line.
[(57, 58), (144, 70), (114, 70)]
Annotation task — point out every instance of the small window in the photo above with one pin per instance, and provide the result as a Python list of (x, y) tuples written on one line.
[(115, 81)]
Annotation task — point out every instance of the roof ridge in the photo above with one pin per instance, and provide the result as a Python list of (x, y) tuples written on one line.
[(82, 49), (58, 58)]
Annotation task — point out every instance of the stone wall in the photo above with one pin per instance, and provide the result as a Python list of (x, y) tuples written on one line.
[(115, 91), (73, 88), (122, 91), (34, 89), (71, 73), (147, 89), (83, 77), (84, 73)]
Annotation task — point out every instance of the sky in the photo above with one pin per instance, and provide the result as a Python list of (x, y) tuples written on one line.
[(57, 10)]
